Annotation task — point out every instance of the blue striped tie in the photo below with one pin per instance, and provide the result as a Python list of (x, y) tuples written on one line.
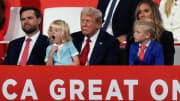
[(109, 15)]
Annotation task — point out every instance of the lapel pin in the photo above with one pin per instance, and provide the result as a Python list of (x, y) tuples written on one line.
[(100, 43)]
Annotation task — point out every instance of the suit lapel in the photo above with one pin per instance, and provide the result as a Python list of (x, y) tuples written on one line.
[(98, 48), (81, 39), (148, 52), (18, 50)]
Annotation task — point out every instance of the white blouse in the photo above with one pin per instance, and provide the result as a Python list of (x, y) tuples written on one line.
[(172, 23)]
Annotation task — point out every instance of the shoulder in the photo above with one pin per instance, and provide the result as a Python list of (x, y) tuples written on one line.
[(156, 44), (79, 33), (77, 37), (16, 41), (166, 36), (43, 37), (167, 33), (49, 46), (135, 44), (106, 36)]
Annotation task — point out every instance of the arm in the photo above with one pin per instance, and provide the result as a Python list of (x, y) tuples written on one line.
[(50, 58), (75, 60), (159, 59), (168, 48)]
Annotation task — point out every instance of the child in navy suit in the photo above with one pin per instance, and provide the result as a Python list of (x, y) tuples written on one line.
[(145, 51)]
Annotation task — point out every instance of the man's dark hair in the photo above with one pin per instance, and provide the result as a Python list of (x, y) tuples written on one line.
[(2, 18), (37, 11)]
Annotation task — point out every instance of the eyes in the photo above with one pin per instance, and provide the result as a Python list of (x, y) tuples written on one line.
[(145, 11), (55, 30), (86, 20), (30, 18)]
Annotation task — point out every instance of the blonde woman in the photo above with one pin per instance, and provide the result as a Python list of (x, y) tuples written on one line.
[(171, 17), (61, 51)]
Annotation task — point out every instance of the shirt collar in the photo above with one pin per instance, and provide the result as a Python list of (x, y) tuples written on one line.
[(34, 37), (148, 43), (94, 37), (59, 46)]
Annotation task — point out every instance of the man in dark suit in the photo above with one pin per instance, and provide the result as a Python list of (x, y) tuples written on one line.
[(121, 23), (31, 49), (103, 49)]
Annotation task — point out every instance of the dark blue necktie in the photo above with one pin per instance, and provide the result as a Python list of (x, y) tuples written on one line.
[(109, 15)]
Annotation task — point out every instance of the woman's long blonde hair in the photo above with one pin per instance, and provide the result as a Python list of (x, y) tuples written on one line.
[(156, 17), (168, 6), (63, 26)]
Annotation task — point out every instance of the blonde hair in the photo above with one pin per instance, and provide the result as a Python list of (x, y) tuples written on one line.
[(168, 6), (146, 24), (156, 17), (63, 26), (90, 11)]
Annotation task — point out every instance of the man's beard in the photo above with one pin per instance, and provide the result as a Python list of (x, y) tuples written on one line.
[(31, 30)]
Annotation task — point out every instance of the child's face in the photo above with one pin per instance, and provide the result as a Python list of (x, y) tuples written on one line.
[(56, 35), (140, 35)]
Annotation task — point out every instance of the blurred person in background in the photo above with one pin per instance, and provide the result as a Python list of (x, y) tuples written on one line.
[(171, 17)]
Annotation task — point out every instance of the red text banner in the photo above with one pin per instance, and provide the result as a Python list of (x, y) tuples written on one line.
[(65, 83)]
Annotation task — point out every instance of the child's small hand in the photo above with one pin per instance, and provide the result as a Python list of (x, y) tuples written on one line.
[(54, 49)]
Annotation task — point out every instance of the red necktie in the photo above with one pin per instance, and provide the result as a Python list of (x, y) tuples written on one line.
[(141, 54), (25, 53), (84, 53)]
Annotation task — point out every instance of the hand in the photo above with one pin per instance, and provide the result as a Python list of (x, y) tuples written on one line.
[(53, 50), (122, 38), (175, 39)]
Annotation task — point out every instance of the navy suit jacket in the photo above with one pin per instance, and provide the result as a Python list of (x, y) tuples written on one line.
[(37, 55), (123, 18), (106, 49), (153, 54)]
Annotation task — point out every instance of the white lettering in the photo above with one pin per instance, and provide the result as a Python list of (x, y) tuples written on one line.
[(4, 89), (176, 88), (114, 85), (61, 90), (93, 89), (153, 90), (131, 84), (74, 91), (31, 92)]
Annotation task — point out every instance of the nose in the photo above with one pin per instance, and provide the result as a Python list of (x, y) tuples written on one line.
[(26, 21), (84, 23), (141, 15)]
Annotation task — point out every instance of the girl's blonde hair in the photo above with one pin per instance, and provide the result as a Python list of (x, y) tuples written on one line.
[(156, 17), (146, 24), (168, 6), (63, 26)]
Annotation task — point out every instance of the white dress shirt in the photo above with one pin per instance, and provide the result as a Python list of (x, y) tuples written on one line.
[(91, 44), (109, 28), (31, 45), (171, 23)]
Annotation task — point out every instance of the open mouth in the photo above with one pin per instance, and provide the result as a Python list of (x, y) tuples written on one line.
[(53, 37)]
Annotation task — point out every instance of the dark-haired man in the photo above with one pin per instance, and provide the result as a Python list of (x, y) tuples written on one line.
[(30, 49)]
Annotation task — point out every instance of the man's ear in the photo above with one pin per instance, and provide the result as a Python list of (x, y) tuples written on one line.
[(39, 20), (148, 35)]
